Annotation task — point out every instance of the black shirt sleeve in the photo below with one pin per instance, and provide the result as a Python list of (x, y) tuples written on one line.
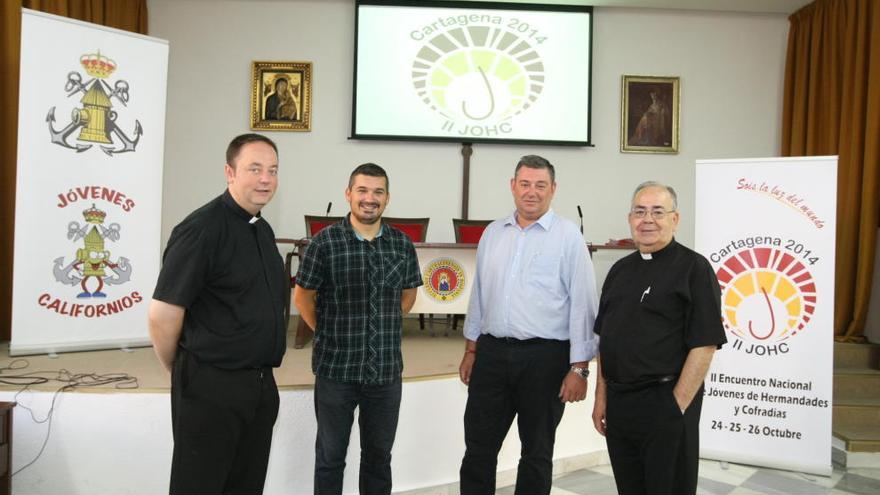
[(412, 275), (704, 325), (184, 265), (603, 298)]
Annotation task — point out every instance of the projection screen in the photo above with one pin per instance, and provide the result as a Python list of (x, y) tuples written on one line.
[(472, 72)]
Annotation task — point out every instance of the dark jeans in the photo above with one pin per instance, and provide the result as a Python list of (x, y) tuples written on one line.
[(653, 447), (379, 406), (513, 378), (222, 424)]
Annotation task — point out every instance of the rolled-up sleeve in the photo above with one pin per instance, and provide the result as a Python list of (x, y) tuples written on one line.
[(584, 302), (473, 322)]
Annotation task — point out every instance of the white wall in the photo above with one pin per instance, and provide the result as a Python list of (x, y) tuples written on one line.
[(120, 443), (731, 69)]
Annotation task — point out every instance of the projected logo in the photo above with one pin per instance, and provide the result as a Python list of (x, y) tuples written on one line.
[(767, 297), (478, 77), (443, 279)]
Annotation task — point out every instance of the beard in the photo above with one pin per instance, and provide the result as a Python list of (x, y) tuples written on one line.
[(369, 218)]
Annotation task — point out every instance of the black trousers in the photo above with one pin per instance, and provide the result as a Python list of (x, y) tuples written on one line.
[(222, 423), (513, 378), (654, 448)]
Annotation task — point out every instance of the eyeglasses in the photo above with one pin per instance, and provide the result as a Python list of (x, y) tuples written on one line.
[(656, 213)]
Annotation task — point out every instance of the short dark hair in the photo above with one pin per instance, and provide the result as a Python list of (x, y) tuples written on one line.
[(239, 141), (371, 170), (536, 162)]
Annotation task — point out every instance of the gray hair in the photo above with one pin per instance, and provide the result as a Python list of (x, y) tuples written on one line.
[(651, 183)]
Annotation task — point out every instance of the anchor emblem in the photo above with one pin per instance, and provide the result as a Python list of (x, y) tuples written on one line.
[(91, 267), (96, 120)]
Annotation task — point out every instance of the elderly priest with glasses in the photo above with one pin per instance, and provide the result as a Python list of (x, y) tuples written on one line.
[(660, 323)]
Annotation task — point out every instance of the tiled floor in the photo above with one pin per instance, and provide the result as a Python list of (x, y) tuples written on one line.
[(734, 479), (717, 478)]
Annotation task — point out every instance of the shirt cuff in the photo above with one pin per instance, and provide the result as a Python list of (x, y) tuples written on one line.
[(471, 332), (583, 351)]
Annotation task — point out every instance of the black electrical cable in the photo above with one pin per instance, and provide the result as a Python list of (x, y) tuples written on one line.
[(68, 381)]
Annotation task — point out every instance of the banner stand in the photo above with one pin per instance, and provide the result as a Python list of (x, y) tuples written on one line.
[(88, 207), (768, 227)]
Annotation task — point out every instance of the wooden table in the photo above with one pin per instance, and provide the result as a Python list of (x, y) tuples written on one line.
[(6, 447)]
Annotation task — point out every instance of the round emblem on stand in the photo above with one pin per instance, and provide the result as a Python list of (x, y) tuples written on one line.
[(443, 279)]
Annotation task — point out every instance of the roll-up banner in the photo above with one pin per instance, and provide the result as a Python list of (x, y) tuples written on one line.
[(768, 228), (91, 128)]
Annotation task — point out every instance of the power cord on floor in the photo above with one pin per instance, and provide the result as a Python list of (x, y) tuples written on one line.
[(67, 381)]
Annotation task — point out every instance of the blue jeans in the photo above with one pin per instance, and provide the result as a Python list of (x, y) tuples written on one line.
[(334, 409)]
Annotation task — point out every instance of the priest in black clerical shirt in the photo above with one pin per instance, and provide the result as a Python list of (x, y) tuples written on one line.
[(217, 324), (660, 323)]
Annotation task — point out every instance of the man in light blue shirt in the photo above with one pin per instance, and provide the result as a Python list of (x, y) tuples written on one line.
[(529, 332)]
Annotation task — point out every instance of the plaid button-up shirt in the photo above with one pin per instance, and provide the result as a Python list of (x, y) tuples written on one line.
[(359, 284)]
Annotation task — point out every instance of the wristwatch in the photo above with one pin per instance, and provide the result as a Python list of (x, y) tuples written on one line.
[(581, 372)]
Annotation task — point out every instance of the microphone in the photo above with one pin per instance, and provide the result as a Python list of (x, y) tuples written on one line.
[(329, 205), (581, 215)]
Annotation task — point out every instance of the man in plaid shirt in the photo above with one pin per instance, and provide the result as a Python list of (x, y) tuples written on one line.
[(357, 279)]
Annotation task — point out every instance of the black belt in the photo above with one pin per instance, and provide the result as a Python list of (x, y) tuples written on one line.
[(531, 341), (631, 387)]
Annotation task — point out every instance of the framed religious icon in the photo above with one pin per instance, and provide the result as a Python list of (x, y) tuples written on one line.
[(649, 114), (281, 96)]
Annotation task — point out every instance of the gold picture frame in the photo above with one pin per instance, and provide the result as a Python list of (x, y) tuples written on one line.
[(281, 96), (649, 114)]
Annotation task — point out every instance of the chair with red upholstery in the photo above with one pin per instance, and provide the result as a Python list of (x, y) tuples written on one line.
[(415, 228), (469, 231), (315, 223)]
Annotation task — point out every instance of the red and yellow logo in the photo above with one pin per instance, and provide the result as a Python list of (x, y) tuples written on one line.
[(767, 297), (444, 279)]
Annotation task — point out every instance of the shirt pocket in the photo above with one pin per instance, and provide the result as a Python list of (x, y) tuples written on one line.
[(662, 304), (394, 267), (543, 273)]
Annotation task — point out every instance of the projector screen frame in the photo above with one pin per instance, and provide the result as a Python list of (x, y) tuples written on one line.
[(459, 4)]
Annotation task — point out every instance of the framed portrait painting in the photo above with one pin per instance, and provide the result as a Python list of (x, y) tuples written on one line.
[(281, 96), (649, 114)]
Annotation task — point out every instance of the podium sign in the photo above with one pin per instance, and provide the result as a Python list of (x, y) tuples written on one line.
[(448, 274)]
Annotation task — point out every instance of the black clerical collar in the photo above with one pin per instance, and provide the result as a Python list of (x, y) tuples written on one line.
[(238, 210), (660, 253)]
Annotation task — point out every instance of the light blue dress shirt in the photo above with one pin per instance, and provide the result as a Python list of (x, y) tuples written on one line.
[(535, 282)]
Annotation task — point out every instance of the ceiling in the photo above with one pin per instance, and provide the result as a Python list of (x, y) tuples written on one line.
[(756, 6)]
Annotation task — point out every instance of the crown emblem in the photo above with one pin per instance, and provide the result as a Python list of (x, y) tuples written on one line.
[(94, 215), (97, 65)]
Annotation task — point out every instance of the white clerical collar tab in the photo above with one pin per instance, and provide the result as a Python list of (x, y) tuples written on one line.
[(646, 256), (253, 220)]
